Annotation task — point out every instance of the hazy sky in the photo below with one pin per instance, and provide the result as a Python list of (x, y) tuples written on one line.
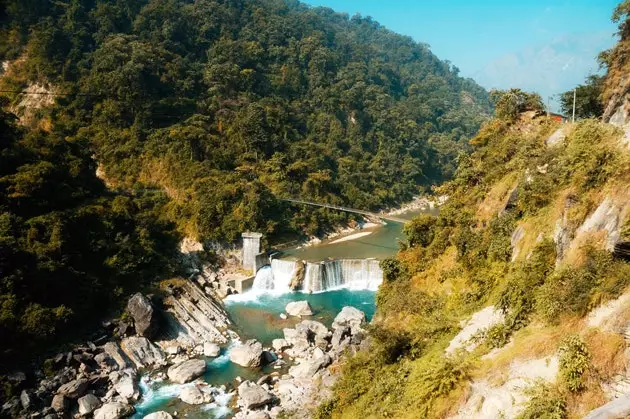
[(547, 46)]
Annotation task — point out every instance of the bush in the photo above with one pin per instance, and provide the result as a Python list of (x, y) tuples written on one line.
[(545, 403), (420, 231), (575, 362)]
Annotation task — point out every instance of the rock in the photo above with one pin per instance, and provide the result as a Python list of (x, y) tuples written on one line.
[(88, 404), (299, 308), (113, 350), (307, 369), (252, 396), (339, 335), (59, 403), (74, 389), (125, 384), (144, 316), (26, 399), (113, 410), (142, 352), (104, 359), (481, 320), (616, 409), (211, 349), (159, 415), (349, 317), (187, 371), (283, 316), (268, 357), (280, 344), (17, 378), (191, 395), (247, 355), (297, 278)]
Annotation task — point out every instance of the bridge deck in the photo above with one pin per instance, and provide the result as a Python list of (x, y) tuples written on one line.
[(346, 209)]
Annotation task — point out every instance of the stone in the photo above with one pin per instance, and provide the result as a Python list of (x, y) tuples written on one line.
[(103, 359), (186, 371), (248, 354), (299, 308), (349, 317), (113, 410), (113, 350), (307, 369), (338, 336), (142, 352), (252, 396), (297, 278), (145, 318), (191, 395), (125, 384), (283, 316), (74, 389), (88, 404), (159, 415), (26, 399), (280, 344), (59, 403), (211, 350), (616, 409)]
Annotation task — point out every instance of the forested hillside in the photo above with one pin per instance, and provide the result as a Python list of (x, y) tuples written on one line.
[(226, 105)]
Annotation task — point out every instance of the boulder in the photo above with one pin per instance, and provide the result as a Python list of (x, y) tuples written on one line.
[(159, 415), (74, 389), (26, 399), (125, 384), (142, 352), (186, 371), (192, 395), (252, 396), (616, 409), (307, 369), (339, 335), (314, 332), (248, 354), (113, 350), (59, 403), (88, 404), (349, 317), (211, 350), (113, 410), (145, 318), (280, 344), (299, 308)]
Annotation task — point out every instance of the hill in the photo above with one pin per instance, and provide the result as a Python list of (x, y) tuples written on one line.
[(226, 105)]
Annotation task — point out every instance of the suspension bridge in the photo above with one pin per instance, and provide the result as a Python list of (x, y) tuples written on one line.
[(368, 214)]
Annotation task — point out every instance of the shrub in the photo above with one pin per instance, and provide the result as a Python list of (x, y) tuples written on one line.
[(575, 361), (393, 269), (420, 231), (544, 403)]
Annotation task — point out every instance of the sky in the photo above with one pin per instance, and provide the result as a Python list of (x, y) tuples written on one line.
[(547, 46)]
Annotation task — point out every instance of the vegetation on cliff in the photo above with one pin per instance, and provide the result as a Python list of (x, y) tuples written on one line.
[(227, 105)]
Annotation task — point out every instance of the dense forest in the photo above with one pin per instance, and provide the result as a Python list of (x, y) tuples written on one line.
[(227, 105)]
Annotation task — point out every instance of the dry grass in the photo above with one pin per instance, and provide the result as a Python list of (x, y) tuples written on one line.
[(429, 279), (496, 198), (607, 352)]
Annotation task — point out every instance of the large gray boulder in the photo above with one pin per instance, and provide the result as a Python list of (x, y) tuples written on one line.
[(88, 404), (159, 415), (299, 308), (120, 358), (211, 350), (253, 396), (74, 389), (145, 318), (280, 344), (307, 369), (186, 371), (191, 395), (113, 410), (125, 383), (142, 352), (349, 317), (248, 354)]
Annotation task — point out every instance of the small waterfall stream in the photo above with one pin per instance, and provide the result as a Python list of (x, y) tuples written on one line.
[(355, 274)]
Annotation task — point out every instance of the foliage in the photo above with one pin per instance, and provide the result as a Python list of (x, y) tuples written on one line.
[(229, 106), (544, 403), (509, 104), (587, 99), (419, 231), (575, 362)]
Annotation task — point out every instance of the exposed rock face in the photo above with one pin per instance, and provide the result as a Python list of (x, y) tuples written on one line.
[(349, 317), (517, 236), (194, 318), (308, 369), (113, 350), (187, 371), (607, 218), (125, 383), (113, 410), (145, 318), (299, 308), (248, 354), (142, 352), (563, 234), (159, 415), (252, 396), (211, 350), (88, 404), (616, 409), (481, 320), (192, 395), (556, 138), (297, 279)]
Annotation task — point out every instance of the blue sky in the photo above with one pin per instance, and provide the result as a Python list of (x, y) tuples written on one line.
[(547, 46)]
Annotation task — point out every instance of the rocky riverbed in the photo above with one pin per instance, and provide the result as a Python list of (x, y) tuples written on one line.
[(105, 379)]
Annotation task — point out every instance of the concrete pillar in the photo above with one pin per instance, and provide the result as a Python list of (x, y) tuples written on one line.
[(251, 247)]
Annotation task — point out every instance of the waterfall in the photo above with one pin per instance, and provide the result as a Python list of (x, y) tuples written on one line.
[(264, 279), (274, 278)]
